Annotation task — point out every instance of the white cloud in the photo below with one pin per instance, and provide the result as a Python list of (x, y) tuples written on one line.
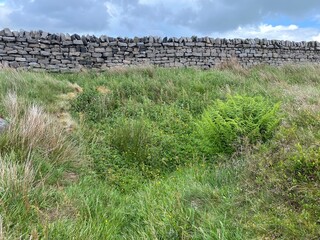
[(217, 18), (269, 28), (316, 38), (112, 10), (317, 18), (169, 2), (279, 32), (4, 15)]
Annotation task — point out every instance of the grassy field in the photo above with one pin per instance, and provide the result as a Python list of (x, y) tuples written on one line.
[(154, 153)]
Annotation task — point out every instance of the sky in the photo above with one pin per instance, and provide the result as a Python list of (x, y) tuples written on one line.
[(294, 20)]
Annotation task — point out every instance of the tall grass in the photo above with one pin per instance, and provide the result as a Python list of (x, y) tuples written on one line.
[(2, 233), (33, 149), (31, 129), (146, 177), (15, 177)]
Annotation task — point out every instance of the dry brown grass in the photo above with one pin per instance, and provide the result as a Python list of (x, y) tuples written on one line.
[(103, 90), (32, 129), (233, 65), (297, 97), (76, 88), (16, 177), (295, 85), (2, 234)]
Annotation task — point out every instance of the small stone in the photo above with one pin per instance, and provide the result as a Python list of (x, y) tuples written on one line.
[(7, 32), (45, 53), (44, 35), (3, 125), (68, 37), (67, 43), (122, 44), (77, 42), (20, 59)]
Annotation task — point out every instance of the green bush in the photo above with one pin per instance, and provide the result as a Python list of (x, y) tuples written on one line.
[(225, 126)]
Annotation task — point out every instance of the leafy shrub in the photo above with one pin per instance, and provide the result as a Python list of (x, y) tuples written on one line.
[(224, 126)]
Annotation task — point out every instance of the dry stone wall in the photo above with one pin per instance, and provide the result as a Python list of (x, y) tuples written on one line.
[(64, 52)]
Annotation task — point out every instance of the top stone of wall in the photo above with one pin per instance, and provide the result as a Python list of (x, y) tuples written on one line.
[(64, 52)]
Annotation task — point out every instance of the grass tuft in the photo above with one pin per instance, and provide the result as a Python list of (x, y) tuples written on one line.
[(15, 177), (31, 129)]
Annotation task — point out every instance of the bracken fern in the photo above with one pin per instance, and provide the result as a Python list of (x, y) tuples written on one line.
[(224, 126)]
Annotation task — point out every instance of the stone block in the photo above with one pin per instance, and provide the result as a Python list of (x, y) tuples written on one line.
[(67, 43), (77, 42), (45, 53), (9, 39), (20, 59), (99, 50)]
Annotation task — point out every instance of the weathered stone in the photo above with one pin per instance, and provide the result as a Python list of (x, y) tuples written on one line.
[(9, 39), (77, 42), (34, 64), (4, 124), (200, 44), (15, 34), (19, 59), (14, 64), (34, 52), (44, 35), (107, 54), (8, 58), (12, 52), (190, 44), (100, 50), (168, 44), (77, 37), (31, 40), (67, 43), (45, 53), (67, 37), (96, 55), (6, 32), (21, 39), (122, 44)]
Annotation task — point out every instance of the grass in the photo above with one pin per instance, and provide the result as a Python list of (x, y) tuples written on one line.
[(116, 155)]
